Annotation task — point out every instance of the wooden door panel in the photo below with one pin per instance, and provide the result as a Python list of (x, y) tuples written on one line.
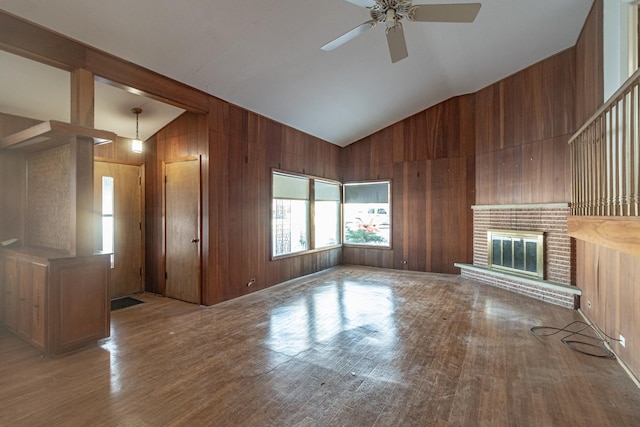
[(25, 287), (182, 215), (126, 274), (39, 281), (11, 298)]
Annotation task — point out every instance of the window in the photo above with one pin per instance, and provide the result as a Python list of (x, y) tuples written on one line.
[(107, 217), (300, 204), (326, 213), (290, 214), (366, 213), (620, 43)]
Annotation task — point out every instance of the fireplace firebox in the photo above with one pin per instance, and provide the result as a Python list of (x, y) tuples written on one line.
[(516, 251)]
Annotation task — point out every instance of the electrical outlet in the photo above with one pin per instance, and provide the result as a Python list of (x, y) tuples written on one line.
[(622, 341)]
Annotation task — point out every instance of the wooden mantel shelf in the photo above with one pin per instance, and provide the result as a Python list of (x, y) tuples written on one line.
[(618, 233), (52, 133)]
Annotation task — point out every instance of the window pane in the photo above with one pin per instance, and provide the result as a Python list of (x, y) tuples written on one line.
[(532, 256), (327, 222), (107, 217), (366, 214), (290, 226), (496, 252), (107, 195), (518, 254), (507, 260), (107, 234)]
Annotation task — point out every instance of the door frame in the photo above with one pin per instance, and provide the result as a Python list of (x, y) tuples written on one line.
[(197, 158)]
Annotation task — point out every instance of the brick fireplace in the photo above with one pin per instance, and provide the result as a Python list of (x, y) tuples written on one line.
[(557, 283)]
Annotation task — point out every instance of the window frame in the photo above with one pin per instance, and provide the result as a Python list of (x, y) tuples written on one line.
[(387, 246), (310, 219)]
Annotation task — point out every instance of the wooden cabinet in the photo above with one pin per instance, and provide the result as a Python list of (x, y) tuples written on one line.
[(58, 303)]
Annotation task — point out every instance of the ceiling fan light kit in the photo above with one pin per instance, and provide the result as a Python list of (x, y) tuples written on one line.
[(391, 12)]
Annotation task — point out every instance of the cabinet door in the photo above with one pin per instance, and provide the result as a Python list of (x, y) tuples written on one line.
[(24, 291), (38, 304), (11, 297)]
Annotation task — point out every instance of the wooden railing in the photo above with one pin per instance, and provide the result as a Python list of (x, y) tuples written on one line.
[(605, 157)]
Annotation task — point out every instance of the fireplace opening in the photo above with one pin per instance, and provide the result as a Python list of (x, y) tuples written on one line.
[(516, 251)]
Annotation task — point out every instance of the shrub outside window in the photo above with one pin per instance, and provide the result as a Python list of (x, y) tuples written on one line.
[(366, 211)]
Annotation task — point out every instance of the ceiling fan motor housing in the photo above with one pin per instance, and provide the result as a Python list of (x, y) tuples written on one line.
[(390, 11)]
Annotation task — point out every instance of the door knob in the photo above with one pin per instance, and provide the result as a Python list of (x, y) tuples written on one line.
[(195, 240)]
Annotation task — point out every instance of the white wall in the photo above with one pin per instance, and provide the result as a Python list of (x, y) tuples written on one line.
[(619, 44)]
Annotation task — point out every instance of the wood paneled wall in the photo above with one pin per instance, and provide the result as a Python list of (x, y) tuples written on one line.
[(13, 176), (589, 66), (430, 159), (185, 137), (523, 124), (610, 283), (237, 150), (244, 148), (119, 151)]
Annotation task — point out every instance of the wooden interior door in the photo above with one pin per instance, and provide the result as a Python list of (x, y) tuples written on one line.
[(126, 274), (182, 230)]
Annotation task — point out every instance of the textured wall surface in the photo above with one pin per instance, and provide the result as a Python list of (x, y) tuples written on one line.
[(48, 198)]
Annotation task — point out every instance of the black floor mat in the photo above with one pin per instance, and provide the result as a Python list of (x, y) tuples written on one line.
[(117, 304)]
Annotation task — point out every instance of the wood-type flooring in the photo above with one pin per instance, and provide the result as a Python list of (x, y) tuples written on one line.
[(351, 346)]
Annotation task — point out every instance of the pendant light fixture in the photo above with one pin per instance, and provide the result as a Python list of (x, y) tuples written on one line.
[(136, 144)]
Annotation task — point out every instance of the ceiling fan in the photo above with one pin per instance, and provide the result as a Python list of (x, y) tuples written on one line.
[(391, 12)]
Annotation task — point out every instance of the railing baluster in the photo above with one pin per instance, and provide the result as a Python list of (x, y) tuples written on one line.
[(635, 150), (605, 157), (603, 165)]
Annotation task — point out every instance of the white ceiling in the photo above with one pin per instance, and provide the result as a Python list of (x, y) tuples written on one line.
[(264, 55), (37, 91)]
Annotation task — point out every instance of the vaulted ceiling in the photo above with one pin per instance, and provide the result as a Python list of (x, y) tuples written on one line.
[(264, 55)]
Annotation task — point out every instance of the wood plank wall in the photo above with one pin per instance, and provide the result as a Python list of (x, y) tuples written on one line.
[(183, 138), (13, 176), (589, 66), (237, 150), (609, 279), (522, 127), (244, 148), (119, 151), (430, 159), (505, 144)]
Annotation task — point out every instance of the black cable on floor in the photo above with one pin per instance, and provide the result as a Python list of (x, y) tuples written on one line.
[(600, 350)]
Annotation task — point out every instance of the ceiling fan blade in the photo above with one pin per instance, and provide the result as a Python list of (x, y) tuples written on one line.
[(397, 43), (363, 3), (459, 12), (349, 35)]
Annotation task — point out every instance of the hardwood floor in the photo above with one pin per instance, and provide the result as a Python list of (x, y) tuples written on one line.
[(350, 346)]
